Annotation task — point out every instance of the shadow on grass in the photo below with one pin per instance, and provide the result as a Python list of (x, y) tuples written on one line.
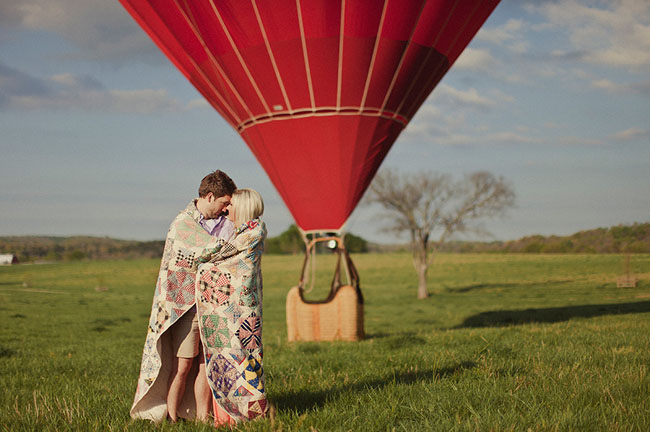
[(7, 352), (304, 400), (378, 335), (550, 315), (483, 286), (397, 340), (104, 324)]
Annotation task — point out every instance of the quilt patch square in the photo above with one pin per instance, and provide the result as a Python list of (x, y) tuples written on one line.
[(180, 287), (185, 258), (250, 333), (215, 331), (256, 408), (222, 374)]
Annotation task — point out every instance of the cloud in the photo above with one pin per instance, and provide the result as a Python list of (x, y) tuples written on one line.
[(606, 84), (454, 126), (475, 60), (509, 35), (99, 30), (21, 91), (15, 82), (511, 60), (435, 124), (631, 134), (443, 118), (614, 33), (509, 137), (446, 134), (467, 99), (198, 103), (501, 34), (571, 141), (637, 88), (85, 82), (500, 96), (564, 56)]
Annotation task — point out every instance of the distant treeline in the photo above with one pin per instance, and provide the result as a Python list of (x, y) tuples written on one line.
[(42, 248), (291, 242), (633, 238)]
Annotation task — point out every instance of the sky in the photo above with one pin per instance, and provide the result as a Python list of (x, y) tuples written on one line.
[(101, 135)]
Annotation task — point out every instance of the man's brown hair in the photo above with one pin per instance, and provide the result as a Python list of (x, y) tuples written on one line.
[(218, 183)]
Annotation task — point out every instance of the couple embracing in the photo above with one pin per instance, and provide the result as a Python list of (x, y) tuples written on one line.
[(203, 351)]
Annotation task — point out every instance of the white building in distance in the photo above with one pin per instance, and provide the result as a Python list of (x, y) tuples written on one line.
[(8, 259)]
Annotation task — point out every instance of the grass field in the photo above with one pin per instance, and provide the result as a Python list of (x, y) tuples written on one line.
[(506, 342)]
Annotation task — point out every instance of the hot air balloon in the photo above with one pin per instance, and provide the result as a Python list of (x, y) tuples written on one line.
[(318, 89)]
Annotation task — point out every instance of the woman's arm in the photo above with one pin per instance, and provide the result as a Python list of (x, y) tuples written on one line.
[(227, 250), (222, 250)]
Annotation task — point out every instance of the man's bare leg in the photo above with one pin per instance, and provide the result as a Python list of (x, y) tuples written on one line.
[(180, 370), (202, 392)]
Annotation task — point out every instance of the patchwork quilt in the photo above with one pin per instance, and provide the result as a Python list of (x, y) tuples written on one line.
[(189, 250)]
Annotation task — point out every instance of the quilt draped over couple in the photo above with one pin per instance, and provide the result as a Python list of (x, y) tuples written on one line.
[(223, 281)]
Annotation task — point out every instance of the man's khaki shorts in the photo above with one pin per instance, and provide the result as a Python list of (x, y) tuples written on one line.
[(185, 335)]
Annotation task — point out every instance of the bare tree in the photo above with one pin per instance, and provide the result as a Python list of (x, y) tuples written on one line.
[(427, 204)]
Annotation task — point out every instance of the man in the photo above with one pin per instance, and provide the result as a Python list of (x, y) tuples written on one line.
[(215, 192), (173, 341)]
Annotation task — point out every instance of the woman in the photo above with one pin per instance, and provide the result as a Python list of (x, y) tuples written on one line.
[(229, 306)]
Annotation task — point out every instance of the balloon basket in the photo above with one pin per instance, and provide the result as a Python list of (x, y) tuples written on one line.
[(340, 315)]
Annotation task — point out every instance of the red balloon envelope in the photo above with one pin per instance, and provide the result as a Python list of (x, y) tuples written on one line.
[(318, 89)]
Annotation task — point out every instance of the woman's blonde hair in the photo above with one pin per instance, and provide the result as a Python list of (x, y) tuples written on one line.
[(247, 204)]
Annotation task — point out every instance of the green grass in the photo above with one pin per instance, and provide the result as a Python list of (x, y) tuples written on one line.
[(506, 342)]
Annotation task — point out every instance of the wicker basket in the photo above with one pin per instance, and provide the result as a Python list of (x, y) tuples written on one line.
[(339, 317)]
